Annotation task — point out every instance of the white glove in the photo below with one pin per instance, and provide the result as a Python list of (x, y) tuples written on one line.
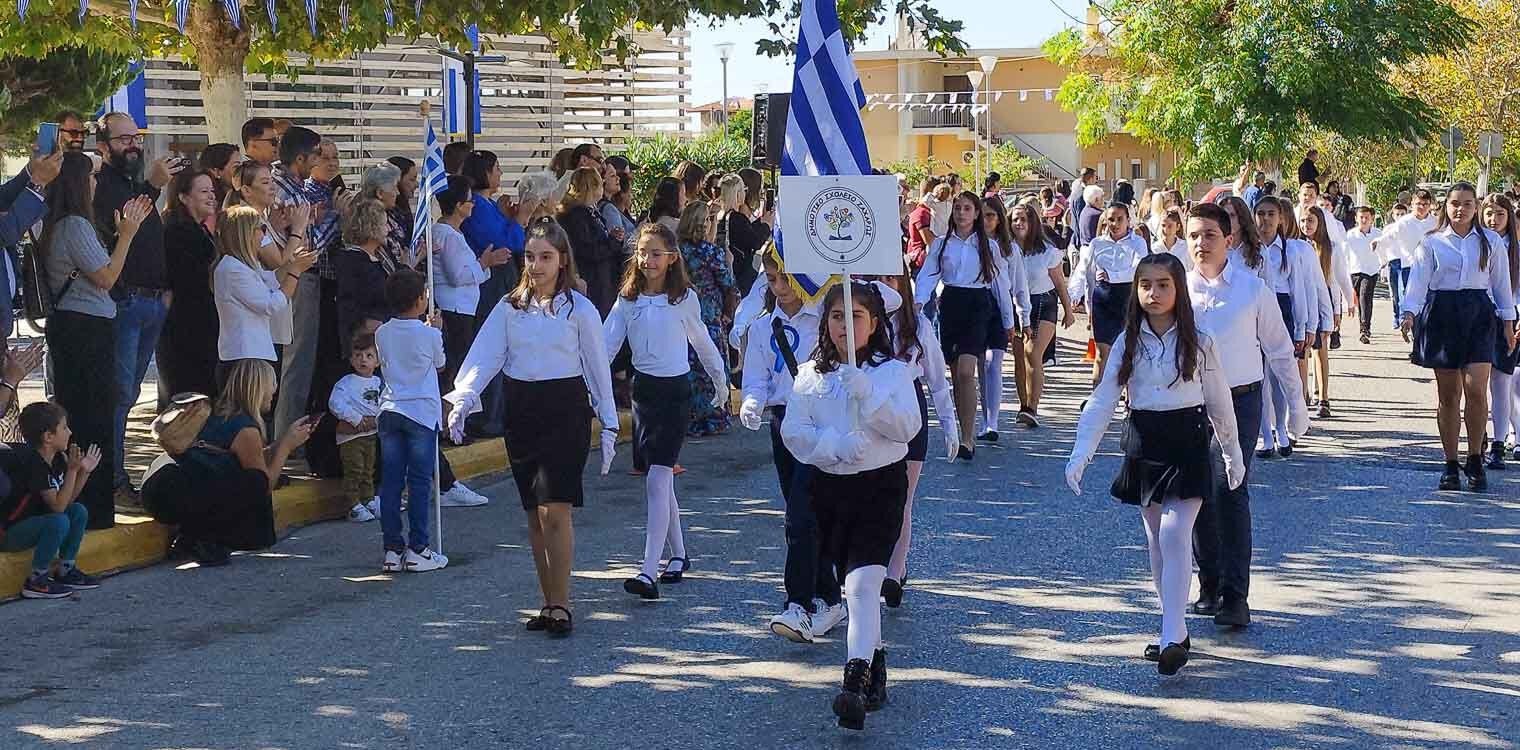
[(721, 397), (852, 447), (1074, 472), (1234, 472), (952, 443), (749, 414), (457, 418), (855, 382), (609, 449)]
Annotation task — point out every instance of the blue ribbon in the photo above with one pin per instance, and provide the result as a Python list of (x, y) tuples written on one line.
[(793, 338)]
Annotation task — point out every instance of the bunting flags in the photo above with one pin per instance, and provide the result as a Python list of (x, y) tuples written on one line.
[(181, 13), (234, 12), (390, 16), (311, 17)]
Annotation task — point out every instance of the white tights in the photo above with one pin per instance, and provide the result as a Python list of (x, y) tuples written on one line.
[(1169, 537), (663, 522), (992, 391), (1274, 413), (1501, 397), (898, 567), (862, 589)]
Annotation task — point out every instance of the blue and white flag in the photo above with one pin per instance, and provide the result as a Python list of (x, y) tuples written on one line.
[(181, 14), (434, 181), (417, 9), (471, 32), (343, 15), (84, 9), (130, 99), (132, 13), (234, 12), (454, 92), (311, 16), (21, 6), (390, 16), (274, 23), (824, 135)]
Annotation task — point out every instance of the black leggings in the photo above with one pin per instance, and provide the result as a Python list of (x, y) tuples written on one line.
[(1366, 286)]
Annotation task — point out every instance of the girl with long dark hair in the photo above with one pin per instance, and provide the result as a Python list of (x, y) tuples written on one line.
[(1330, 282), (1283, 270), (1177, 390), (995, 225), (1103, 275), (1047, 289), (1499, 215)]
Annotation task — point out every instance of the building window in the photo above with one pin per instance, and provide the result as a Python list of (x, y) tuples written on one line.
[(1134, 169)]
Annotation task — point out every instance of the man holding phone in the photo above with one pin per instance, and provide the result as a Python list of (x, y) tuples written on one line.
[(22, 205)]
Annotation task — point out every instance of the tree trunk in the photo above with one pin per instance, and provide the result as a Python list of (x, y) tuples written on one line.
[(220, 52)]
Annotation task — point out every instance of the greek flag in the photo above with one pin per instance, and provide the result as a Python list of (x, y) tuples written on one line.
[(311, 16), (131, 99), (454, 92), (84, 9), (181, 13), (342, 14), (390, 16), (434, 180), (132, 13), (234, 12), (824, 135), (21, 6), (274, 23), (471, 32)]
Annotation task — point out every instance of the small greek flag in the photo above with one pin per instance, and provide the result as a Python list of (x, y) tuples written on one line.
[(132, 13), (131, 99), (311, 16), (21, 6), (234, 12), (84, 9), (471, 32), (454, 91), (181, 14), (343, 15), (824, 135), (274, 23), (434, 181), (390, 17), (417, 8)]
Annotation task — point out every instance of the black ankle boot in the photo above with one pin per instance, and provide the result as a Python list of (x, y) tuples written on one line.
[(1477, 479), (876, 691), (1451, 478), (850, 704), (1496, 455)]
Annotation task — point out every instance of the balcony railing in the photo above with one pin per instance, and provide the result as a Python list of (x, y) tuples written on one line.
[(942, 118)]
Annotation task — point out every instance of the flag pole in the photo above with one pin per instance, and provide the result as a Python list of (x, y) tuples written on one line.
[(424, 205), (849, 315)]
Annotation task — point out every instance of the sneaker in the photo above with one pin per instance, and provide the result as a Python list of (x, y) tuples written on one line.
[(392, 563), (794, 624), (360, 514), (1324, 410), (460, 496), (1496, 456), (77, 579), (422, 562), (373, 506), (828, 617), (42, 586)]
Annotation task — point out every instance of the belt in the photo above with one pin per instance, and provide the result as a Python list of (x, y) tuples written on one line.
[(124, 290), (1241, 390)]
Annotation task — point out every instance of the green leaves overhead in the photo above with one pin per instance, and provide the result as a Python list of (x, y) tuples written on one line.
[(34, 89)]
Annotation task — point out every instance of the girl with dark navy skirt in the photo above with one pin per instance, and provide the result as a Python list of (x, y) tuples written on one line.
[(995, 223), (915, 343), (977, 295), (853, 424), (1047, 304), (1177, 390), (546, 339), (1499, 215), (1459, 292), (1103, 275), (657, 313), (1281, 263)]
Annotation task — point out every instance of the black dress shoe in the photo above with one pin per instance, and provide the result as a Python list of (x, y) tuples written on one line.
[(965, 454), (892, 592), (1496, 456), (1207, 604), (1266, 453), (1451, 478), (1172, 658), (988, 437), (1285, 451), (1153, 652), (642, 586), (1233, 613), (1477, 479)]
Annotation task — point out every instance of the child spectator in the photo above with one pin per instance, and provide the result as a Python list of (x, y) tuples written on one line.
[(39, 512), (411, 354), (355, 402)]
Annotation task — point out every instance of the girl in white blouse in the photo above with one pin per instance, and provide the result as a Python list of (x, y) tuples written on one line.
[(1283, 268), (1103, 276), (1177, 389), (545, 338), (1499, 215), (1459, 291), (853, 423), (657, 313), (995, 224), (1169, 239), (977, 296), (1331, 281), (1047, 303)]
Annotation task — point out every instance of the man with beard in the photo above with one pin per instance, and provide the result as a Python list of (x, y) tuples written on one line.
[(142, 290), (71, 130)]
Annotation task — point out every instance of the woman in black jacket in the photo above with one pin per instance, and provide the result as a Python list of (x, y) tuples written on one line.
[(597, 251), (742, 236), (187, 347), (362, 267)]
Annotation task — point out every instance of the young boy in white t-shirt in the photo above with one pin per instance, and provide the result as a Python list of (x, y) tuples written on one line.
[(355, 403)]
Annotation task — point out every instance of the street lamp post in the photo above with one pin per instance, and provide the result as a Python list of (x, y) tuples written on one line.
[(988, 62), (975, 77), (725, 51)]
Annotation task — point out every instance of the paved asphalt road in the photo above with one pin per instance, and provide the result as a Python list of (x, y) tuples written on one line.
[(1386, 615)]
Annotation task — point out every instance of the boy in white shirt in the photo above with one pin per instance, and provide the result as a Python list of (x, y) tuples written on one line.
[(355, 402), (411, 409)]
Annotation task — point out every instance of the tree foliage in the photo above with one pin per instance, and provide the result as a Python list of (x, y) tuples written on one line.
[(1226, 82), (35, 89), (658, 155)]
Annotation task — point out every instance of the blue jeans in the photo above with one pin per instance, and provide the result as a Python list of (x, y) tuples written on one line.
[(55, 536), (1398, 281), (407, 450), (139, 320), (1222, 534)]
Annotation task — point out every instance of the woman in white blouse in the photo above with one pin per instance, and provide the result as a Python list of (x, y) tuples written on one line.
[(1285, 267), (659, 315), (545, 338), (285, 233), (1177, 389), (1459, 291), (853, 424), (247, 296), (977, 295), (1103, 276), (458, 273)]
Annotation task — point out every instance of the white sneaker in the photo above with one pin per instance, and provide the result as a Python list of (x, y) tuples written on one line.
[(360, 514), (392, 562), (373, 506), (827, 618), (460, 496), (794, 624), (423, 562)]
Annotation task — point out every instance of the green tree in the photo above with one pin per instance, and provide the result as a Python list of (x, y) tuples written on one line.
[(1227, 82), (34, 89), (581, 31), (658, 155)]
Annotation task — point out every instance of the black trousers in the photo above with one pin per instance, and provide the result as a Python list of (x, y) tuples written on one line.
[(83, 348), (458, 335), (1366, 286), (1222, 534), (808, 572)]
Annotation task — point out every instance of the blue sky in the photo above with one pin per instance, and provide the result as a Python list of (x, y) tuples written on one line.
[(986, 26)]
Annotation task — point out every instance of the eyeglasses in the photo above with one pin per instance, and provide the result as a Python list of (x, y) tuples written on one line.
[(76, 134), (128, 140)]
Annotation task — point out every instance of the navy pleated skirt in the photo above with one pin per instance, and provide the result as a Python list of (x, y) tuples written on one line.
[(1455, 329), (1110, 304)]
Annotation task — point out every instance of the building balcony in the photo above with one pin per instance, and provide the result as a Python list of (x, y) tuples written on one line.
[(943, 118)]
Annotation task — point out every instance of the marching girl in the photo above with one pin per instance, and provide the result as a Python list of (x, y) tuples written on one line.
[(1177, 389), (853, 424), (1331, 281), (1281, 268), (1459, 292), (1047, 289), (545, 339), (658, 315), (914, 342), (1241, 315), (1499, 215), (995, 225), (1169, 238), (977, 296), (1103, 276)]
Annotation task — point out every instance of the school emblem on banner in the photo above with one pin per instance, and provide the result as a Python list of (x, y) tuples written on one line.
[(840, 225)]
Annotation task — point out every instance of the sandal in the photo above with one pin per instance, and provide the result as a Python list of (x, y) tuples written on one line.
[(674, 576), (539, 621), (557, 627)]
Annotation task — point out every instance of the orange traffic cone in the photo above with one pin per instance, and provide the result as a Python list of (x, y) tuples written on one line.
[(1092, 351)]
